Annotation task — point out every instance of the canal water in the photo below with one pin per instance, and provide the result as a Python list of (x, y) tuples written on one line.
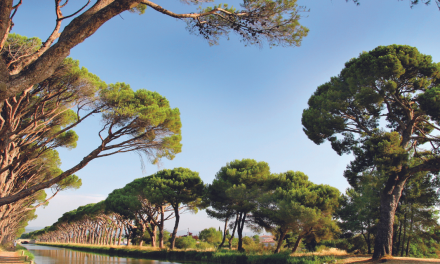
[(56, 255)]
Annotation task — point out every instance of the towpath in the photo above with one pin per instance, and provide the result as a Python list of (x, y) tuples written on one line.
[(8, 257)]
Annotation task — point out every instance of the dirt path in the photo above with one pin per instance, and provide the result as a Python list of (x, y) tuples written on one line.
[(10, 258), (394, 260)]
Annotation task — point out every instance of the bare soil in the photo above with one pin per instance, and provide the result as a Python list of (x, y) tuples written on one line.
[(8, 257)]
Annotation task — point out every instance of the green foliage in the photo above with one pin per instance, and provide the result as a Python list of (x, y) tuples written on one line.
[(71, 182), (185, 242), (298, 206), (17, 46), (179, 186), (383, 108), (204, 245), (359, 211), (353, 102), (241, 181), (138, 112), (139, 9), (416, 223), (125, 201), (144, 198), (276, 22), (211, 236), (166, 237), (247, 241), (235, 190)]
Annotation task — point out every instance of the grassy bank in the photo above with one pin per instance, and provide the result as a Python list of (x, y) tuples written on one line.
[(19, 249), (223, 256)]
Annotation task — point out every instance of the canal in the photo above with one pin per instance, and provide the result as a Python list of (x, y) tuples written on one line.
[(52, 255)]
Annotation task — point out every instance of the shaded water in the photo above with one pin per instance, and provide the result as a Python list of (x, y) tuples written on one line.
[(52, 255)]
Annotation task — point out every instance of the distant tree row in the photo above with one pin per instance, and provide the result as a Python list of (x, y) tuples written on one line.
[(243, 193), (297, 212)]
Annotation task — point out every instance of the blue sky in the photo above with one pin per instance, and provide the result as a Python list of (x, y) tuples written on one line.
[(236, 102)]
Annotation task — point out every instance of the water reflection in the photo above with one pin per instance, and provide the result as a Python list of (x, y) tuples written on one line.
[(52, 255)]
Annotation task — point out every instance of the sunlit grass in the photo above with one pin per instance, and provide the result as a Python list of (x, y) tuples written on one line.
[(323, 252)]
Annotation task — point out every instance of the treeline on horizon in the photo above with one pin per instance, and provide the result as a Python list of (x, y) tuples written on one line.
[(299, 213)]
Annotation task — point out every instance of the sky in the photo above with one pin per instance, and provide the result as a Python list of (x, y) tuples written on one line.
[(235, 101)]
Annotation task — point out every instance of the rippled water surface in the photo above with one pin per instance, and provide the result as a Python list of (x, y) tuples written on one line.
[(51, 255)]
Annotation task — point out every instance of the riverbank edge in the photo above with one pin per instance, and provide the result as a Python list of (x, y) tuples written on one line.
[(222, 257), (20, 248), (18, 255)]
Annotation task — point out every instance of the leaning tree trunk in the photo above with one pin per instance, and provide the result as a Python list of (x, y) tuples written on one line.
[(233, 232), (389, 200), (280, 241), (298, 240), (176, 226), (224, 233)]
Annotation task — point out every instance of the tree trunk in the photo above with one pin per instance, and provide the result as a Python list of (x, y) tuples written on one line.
[(369, 243), (298, 240), (233, 232), (400, 237), (404, 236), (240, 228), (409, 235), (369, 237), (120, 236), (176, 226), (367, 240), (224, 233), (280, 241), (153, 237), (142, 235), (161, 226), (388, 205)]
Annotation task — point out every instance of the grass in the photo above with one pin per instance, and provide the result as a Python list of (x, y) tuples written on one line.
[(19, 249), (220, 256), (324, 252)]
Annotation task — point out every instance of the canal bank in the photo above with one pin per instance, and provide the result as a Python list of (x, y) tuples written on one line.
[(56, 255), (11, 258), (15, 255), (221, 257)]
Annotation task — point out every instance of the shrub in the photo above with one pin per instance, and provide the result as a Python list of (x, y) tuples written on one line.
[(204, 245), (211, 235), (248, 241), (185, 242)]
